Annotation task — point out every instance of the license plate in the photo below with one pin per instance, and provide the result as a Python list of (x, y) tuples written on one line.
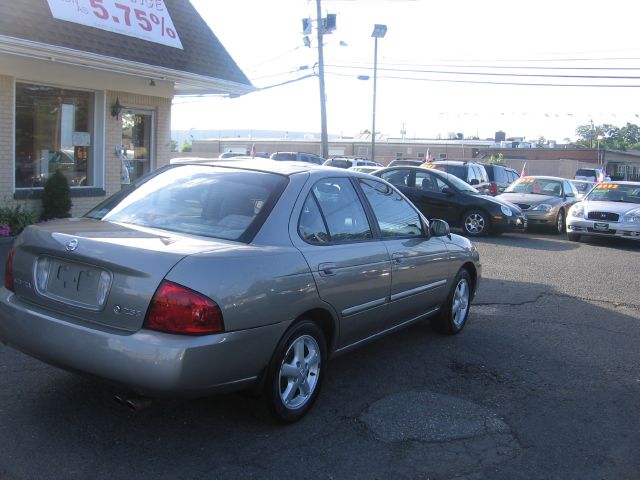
[(77, 284), (601, 227)]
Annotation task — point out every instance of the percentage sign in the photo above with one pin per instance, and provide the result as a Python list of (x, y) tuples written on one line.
[(163, 29)]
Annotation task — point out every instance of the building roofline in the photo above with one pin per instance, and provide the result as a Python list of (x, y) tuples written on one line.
[(185, 83)]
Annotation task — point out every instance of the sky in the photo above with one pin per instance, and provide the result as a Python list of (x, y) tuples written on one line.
[(443, 67)]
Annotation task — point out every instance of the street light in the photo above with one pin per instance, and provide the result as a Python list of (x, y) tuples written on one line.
[(379, 31)]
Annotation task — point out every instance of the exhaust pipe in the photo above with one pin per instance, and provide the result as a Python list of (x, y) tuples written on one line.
[(135, 403)]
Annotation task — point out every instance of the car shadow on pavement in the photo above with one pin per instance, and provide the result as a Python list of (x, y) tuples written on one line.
[(560, 374), (535, 240)]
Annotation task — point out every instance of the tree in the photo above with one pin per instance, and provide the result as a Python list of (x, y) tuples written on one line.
[(496, 159), (609, 136), (186, 147), (541, 142), (56, 197)]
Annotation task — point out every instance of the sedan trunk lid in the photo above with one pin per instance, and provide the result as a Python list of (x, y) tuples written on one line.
[(95, 272)]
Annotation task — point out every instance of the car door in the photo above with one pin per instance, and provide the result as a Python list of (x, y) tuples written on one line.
[(420, 264), (350, 266), (426, 194)]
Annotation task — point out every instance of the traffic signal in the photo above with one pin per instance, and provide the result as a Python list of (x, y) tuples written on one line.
[(330, 22), (306, 26)]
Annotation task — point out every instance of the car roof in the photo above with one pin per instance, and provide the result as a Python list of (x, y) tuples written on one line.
[(267, 165), (417, 168)]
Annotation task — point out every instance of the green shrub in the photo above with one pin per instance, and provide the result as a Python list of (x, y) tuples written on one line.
[(56, 197), (15, 219)]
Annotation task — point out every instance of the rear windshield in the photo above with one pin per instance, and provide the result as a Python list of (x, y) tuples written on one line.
[(284, 156), (586, 172), (336, 162), (218, 202), (457, 170)]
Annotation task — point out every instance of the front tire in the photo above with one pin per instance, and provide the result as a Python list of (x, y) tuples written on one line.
[(559, 225), (295, 374), (476, 223), (454, 312)]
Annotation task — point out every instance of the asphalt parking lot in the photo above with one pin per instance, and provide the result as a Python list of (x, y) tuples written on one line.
[(543, 383)]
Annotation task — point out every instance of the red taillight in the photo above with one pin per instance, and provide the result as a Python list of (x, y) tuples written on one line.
[(177, 309), (8, 272), (493, 188)]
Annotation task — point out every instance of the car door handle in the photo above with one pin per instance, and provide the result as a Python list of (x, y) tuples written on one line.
[(398, 256), (327, 269)]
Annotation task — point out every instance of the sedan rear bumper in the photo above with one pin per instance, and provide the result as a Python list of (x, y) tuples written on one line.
[(150, 363)]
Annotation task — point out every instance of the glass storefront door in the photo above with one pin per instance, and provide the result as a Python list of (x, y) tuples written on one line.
[(137, 141)]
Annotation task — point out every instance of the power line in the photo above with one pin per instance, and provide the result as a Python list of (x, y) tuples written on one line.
[(487, 82)]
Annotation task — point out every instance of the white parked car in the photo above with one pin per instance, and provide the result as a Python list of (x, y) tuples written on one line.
[(611, 209)]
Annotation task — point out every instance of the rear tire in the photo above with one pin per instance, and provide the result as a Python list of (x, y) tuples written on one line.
[(455, 310), (295, 373)]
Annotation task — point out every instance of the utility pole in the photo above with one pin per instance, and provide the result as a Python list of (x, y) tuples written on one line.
[(324, 138)]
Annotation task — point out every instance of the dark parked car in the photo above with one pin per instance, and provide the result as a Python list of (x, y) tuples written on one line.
[(297, 157), (500, 177), (440, 195), (210, 276), (470, 172)]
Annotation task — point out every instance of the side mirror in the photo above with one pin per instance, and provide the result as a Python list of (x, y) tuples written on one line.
[(446, 191), (439, 228), (474, 181)]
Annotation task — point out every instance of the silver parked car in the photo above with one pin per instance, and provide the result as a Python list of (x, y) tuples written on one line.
[(545, 201), (611, 209), (211, 276)]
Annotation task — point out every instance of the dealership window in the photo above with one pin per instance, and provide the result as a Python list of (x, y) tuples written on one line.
[(54, 131)]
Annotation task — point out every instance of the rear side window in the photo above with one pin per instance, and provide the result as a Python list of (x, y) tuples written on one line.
[(499, 175), (341, 213), (397, 177)]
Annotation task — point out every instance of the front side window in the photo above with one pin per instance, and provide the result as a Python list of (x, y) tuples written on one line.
[(54, 131), (396, 217), (342, 213)]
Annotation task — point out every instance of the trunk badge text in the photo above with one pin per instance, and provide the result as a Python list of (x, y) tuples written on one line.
[(117, 309), (72, 245)]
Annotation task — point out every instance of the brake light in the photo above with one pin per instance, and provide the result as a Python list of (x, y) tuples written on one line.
[(177, 309), (8, 272), (493, 188)]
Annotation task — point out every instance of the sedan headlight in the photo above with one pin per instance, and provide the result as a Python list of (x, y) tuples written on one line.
[(633, 216), (543, 207), (577, 210), (506, 210)]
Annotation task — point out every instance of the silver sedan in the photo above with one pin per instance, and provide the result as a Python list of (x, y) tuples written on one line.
[(611, 209), (212, 276)]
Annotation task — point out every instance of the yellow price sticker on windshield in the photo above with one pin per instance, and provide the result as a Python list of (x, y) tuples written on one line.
[(606, 186), (527, 180), (429, 165)]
